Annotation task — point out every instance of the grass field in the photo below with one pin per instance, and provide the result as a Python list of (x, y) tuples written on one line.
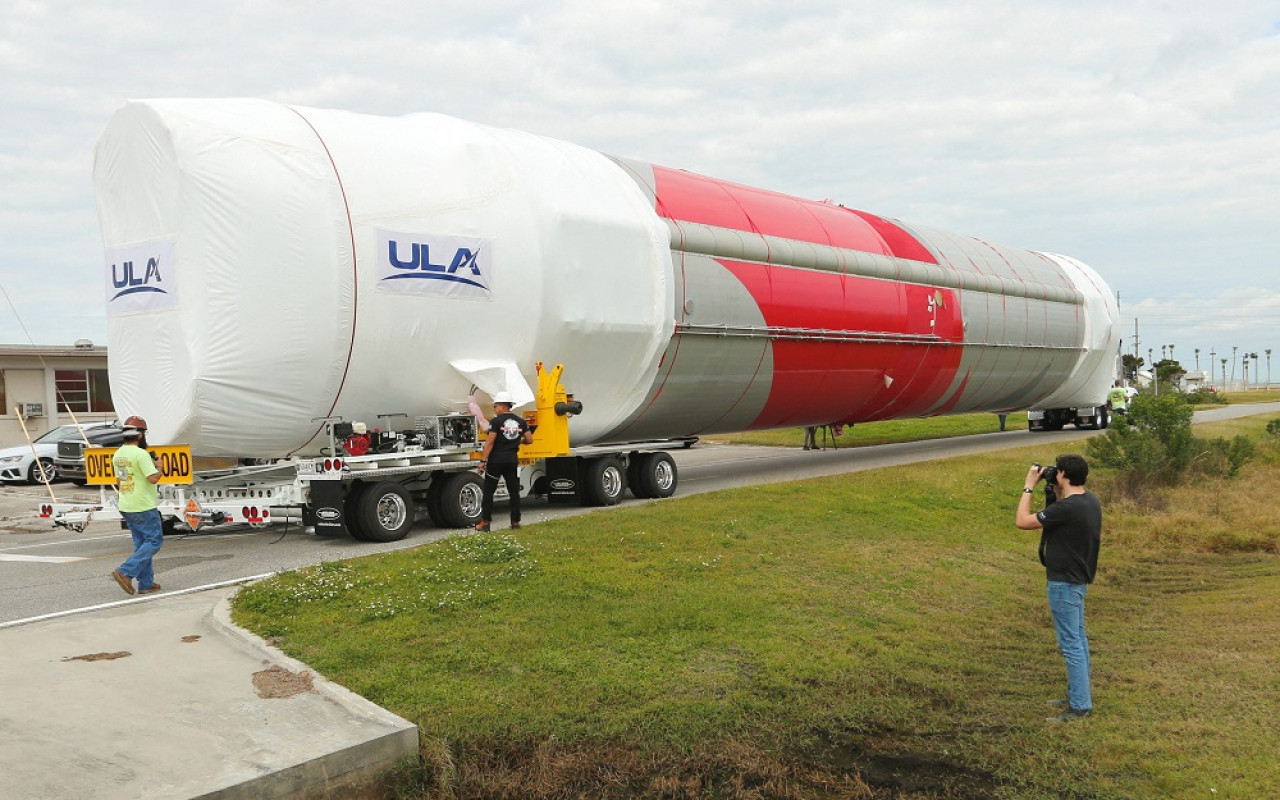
[(878, 634)]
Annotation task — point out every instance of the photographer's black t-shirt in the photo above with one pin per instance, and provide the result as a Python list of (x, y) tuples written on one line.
[(1071, 538)]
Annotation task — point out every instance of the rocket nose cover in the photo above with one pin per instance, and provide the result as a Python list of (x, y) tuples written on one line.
[(222, 306), (263, 268)]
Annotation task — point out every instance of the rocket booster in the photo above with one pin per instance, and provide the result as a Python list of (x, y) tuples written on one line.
[(269, 266)]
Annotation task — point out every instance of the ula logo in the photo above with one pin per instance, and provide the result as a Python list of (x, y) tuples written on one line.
[(419, 263), (134, 280), (125, 278), (463, 266)]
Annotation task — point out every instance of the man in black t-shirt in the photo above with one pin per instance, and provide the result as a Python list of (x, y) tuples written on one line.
[(1071, 535), (500, 459)]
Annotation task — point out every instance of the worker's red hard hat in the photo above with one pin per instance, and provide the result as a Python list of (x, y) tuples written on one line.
[(136, 422)]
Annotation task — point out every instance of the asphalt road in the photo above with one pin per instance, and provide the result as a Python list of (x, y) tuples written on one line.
[(47, 572)]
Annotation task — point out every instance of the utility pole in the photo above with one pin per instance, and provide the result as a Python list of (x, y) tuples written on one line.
[(1212, 353), (1268, 351), (1155, 376), (1135, 338), (1233, 364)]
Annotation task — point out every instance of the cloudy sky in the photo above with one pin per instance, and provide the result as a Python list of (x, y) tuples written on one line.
[(1140, 137)]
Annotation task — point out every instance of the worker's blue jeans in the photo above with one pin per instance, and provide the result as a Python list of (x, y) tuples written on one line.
[(1066, 603), (148, 534)]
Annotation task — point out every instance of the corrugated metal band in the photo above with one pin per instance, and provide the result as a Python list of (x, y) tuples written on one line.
[(775, 333), (717, 242)]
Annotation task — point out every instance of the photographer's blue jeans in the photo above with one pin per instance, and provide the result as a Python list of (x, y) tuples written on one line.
[(147, 528), (1066, 603)]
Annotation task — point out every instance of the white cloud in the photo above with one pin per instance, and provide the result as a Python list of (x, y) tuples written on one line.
[(1140, 138)]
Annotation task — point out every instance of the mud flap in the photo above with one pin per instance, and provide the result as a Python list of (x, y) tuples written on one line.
[(326, 512), (564, 480)]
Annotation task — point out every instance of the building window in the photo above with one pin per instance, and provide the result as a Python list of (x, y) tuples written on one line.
[(82, 390)]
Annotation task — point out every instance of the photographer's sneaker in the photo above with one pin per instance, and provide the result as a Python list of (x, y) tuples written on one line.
[(1070, 715)]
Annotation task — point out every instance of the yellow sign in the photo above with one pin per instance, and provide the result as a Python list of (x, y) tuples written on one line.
[(173, 461)]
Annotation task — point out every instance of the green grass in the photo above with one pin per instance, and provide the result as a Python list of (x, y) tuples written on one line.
[(1253, 396), (877, 634), (866, 434)]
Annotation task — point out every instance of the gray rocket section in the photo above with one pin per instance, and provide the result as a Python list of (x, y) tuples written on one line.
[(1008, 334), (697, 373)]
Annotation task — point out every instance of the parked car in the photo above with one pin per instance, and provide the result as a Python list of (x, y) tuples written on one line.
[(70, 459), (19, 463)]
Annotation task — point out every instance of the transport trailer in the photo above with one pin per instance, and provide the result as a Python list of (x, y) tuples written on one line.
[(373, 485), (1054, 419)]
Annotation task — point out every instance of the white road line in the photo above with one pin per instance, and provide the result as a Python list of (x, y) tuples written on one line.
[(130, 601), (40, 559), (124, 534)]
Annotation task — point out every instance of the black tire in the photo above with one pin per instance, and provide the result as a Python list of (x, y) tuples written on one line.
[(350, 508), (658, 475), (460, 498), (434, 492), (383, 513), (635, 468), (45, 464), (603, 481), (1104, 419)]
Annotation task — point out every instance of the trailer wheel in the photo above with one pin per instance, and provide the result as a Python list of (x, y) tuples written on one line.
[(658, 475), (635, 468), (1102, 420), (435, 491), (460, 498), (603, 481), (384, 513)]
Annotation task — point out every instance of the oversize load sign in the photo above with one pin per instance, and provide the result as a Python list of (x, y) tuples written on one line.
[(173, 461)]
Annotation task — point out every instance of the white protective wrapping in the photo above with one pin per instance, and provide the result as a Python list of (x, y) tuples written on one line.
[(263, 309)]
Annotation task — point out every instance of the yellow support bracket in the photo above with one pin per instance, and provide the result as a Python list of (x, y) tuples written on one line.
[(554, 406)]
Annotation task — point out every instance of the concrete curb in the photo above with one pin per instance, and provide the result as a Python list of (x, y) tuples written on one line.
[(355, 772)]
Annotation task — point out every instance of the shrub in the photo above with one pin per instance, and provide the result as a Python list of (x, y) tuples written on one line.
[(1153, 446), (1204, 397)]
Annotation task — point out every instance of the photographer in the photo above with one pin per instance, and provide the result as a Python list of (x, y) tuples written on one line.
[(1071, 534)]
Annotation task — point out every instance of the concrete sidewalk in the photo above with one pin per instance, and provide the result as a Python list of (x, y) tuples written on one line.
[(165, 698)]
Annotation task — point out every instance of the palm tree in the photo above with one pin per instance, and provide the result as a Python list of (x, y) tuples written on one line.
[(1268, 352), (1197, 359)]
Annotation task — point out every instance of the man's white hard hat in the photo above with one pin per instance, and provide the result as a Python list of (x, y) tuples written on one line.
[(503, 397)]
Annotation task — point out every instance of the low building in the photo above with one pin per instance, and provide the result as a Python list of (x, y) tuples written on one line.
[(1194, 380), (44, 386)]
